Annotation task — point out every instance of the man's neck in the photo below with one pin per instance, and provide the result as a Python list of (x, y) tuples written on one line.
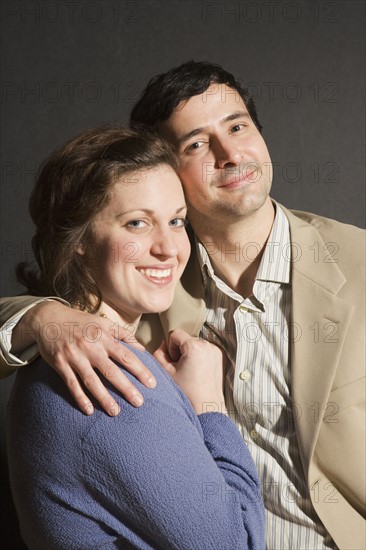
[(236, 249)]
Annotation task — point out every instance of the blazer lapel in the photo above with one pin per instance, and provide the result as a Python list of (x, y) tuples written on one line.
[(320, 321), (188, 308)]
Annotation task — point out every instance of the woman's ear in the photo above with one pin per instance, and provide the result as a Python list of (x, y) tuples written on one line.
[(80, 249)]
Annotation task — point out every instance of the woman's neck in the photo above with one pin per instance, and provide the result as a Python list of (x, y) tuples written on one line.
[(116, 315)]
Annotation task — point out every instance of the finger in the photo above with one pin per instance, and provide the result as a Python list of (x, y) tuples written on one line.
[(74, 387), (95, 386), (177, 339), (164, 360), (115, 376), (130, 339), (136, 344), (132, 363), (126, 334), (174, 348), (162, 347)]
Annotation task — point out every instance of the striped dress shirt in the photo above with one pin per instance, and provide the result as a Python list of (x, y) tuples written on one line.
[(255, 333)]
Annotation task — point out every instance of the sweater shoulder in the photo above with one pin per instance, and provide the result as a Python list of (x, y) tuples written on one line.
[(46, 402)]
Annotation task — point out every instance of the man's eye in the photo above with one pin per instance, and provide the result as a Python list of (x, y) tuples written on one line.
[(237, 127), (136, 224), (195, 145), (178, 222)]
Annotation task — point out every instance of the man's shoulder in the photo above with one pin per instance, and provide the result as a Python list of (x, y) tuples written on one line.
[(344, 235), (326, 225), (344, 244)]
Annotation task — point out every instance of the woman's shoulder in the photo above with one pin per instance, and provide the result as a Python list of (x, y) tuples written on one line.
[(40, 396), (166, 390)]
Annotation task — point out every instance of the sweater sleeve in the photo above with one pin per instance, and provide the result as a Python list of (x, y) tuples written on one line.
[(153, 477), (168, 487)]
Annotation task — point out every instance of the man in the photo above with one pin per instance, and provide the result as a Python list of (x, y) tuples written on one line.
[(280, 291)]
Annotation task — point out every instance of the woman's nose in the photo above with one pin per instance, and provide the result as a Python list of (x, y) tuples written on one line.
[(164, 244)]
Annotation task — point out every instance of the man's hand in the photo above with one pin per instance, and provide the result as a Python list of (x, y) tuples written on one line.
[(75, 343), (197, 367)]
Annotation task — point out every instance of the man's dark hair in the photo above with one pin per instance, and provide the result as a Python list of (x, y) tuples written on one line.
[(165, 91)]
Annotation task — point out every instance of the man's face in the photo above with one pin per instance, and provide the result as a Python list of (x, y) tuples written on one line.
[(225, 166)]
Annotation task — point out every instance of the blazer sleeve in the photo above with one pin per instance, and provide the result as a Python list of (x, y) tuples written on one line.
[(11, 311)]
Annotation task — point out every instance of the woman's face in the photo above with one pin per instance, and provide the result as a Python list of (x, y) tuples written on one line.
[(141, 247)]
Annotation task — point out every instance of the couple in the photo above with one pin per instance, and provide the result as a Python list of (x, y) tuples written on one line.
[(296, 396), (110, 216)]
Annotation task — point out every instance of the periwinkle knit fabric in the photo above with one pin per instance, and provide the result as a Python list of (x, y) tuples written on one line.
[(154, 477)]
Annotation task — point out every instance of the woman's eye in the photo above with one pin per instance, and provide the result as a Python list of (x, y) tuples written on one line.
[(178, 222), (136, 224)]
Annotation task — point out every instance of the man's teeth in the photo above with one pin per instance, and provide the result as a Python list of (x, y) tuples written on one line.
[(156, 273)]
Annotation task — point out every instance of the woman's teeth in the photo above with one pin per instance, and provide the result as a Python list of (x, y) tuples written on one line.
[(156, 273)]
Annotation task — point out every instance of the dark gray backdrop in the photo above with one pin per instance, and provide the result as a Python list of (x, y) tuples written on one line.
[(70, 65)]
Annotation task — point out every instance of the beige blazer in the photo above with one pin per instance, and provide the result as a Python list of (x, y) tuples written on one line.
[(327, 353)]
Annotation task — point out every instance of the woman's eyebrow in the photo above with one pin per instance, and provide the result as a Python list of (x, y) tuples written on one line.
[(146, 211)]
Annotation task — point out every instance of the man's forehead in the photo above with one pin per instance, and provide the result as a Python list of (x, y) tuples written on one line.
[(215, 93), (217, 105)]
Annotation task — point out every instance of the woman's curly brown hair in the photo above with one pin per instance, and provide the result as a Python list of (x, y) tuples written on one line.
[(72, 186)]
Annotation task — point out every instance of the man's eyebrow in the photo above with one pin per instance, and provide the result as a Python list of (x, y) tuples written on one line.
[(197, 131), (236, 115)]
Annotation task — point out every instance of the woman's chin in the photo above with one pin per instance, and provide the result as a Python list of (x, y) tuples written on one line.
[(158, 304)]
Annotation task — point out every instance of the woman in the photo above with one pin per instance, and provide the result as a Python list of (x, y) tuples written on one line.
[(109, 211)]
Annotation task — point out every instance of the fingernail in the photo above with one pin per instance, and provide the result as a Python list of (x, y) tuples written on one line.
[(114, 409), (151, 382), (88, 409), (137, 401)]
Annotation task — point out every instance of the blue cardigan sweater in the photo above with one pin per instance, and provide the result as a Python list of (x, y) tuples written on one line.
[(158, 476)]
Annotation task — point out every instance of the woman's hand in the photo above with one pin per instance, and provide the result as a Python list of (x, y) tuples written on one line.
[(197, 367), (75, 343)]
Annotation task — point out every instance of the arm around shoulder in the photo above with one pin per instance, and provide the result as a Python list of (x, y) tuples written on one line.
[(12, 310)]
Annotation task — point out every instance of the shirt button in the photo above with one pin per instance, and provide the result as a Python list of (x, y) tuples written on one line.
[(244, 375), (254, 434)]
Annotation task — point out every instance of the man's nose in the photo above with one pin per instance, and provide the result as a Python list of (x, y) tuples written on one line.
[(226, 152)]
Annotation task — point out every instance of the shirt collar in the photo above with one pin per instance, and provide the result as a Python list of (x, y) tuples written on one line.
[(275, 262)]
